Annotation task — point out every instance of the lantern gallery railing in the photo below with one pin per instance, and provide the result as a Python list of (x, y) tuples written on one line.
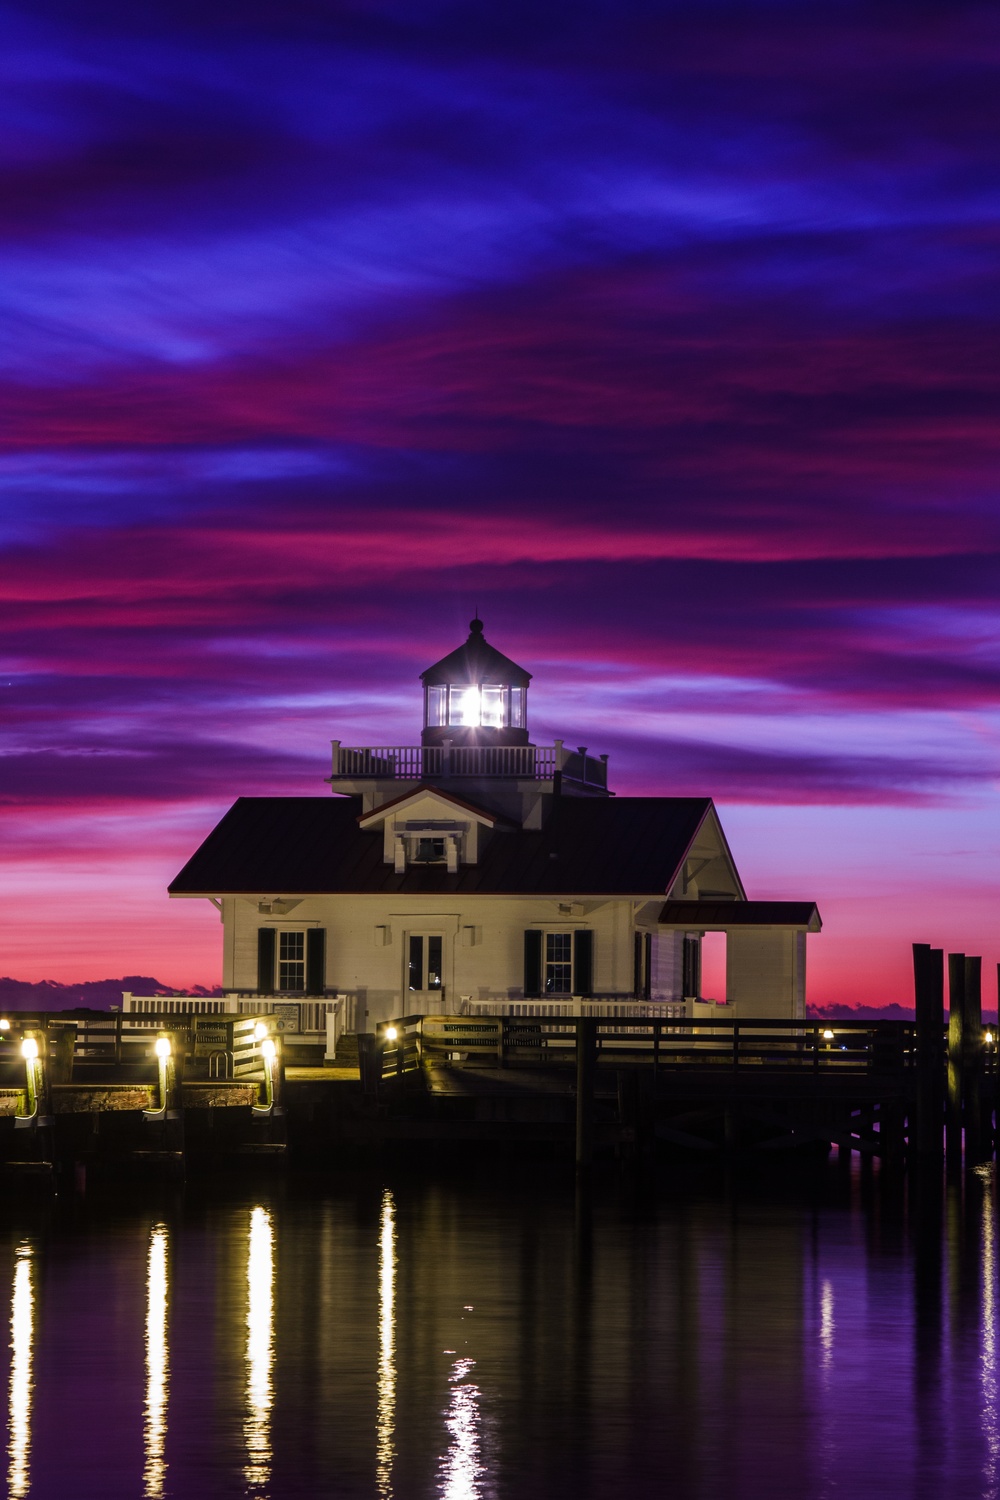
[(440, 762)]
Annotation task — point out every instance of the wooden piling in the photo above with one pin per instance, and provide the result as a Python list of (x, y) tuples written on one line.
[(956, 1033), (64, 1040), (278, 1077), (586, 1068), (972, 1062), (928, 983), (369, 1062)]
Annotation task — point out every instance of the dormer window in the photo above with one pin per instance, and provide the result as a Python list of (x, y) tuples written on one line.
[(428, 844), (429, 852)]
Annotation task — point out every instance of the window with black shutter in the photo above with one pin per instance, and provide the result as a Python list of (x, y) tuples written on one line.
[(532, 963), (265, 960), (583, 961), (316, 960), (692, 966)]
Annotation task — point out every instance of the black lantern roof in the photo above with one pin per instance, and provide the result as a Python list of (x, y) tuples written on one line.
[(476, 661)]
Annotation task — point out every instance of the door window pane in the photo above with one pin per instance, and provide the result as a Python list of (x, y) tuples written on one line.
[(416, 965), (433, 963)]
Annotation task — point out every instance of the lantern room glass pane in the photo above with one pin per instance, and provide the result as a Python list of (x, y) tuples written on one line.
[(463, 705), (437, 705), (517, 708), (493, 706)]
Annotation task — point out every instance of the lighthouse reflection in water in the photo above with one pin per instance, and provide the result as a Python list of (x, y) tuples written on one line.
[(468, 1340)]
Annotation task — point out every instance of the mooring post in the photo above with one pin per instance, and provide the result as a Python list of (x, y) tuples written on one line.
[(369, 1062), (64, 1038), (956, 1032), (586, 1067), (972, 1062), (928, 983), (278, 1076)]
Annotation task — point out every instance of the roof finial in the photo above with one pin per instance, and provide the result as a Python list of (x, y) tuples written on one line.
[(476, 625)]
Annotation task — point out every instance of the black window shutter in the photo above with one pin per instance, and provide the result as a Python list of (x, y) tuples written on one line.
[(647, 968), (637, 964), (315, 960), (583, 961), (532, 963), (265, 960), (692, 965)]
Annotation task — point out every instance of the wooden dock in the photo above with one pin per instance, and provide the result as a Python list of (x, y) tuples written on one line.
[(93, 1090)]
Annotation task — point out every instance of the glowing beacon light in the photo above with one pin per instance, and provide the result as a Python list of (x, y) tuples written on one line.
[(475, 696)]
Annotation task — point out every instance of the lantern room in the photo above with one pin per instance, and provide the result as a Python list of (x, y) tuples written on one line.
[(475, 696)]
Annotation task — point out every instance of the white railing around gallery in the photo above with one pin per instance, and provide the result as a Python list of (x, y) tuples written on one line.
[(443, 762)]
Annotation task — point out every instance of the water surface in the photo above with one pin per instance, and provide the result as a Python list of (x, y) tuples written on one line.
[(497, 1334)]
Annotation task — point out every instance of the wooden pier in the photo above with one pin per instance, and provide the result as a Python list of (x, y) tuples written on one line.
[(166, 1092)]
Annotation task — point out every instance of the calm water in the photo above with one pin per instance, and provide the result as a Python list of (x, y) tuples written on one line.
[(408, 1338)]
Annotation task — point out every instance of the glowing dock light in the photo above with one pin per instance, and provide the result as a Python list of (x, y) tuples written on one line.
[(163, 1047), (4, 1024), (391, 1033), (988, 1039), (268, 1050), (828, 1036), (29, 1049), (259, 1031)]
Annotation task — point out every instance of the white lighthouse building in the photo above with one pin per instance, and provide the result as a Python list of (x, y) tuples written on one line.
[(478, 871)]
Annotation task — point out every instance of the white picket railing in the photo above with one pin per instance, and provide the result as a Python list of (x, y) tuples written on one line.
[(606, 1006), (295, 1017), (425, 762)]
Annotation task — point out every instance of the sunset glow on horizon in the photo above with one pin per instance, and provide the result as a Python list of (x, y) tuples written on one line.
[(664, 337)]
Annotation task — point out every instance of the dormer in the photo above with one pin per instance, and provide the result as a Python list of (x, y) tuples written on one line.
[(430, 827)]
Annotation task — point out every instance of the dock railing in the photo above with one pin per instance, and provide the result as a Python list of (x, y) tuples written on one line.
[(115, 1039), (554, 1040)]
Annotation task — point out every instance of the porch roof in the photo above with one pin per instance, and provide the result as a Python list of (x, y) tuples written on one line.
[(703, 916)]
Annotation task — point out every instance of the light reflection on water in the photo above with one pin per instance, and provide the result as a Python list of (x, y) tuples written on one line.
[(157, 1372), (386, 1410), (22, 1330), (460, 1340), (988, 1358), (461, 1468), (259, 1350)]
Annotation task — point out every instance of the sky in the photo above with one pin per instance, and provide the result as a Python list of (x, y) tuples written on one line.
[(664, 335)]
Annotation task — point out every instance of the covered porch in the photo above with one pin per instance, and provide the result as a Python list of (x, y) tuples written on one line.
[(765, 956)]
